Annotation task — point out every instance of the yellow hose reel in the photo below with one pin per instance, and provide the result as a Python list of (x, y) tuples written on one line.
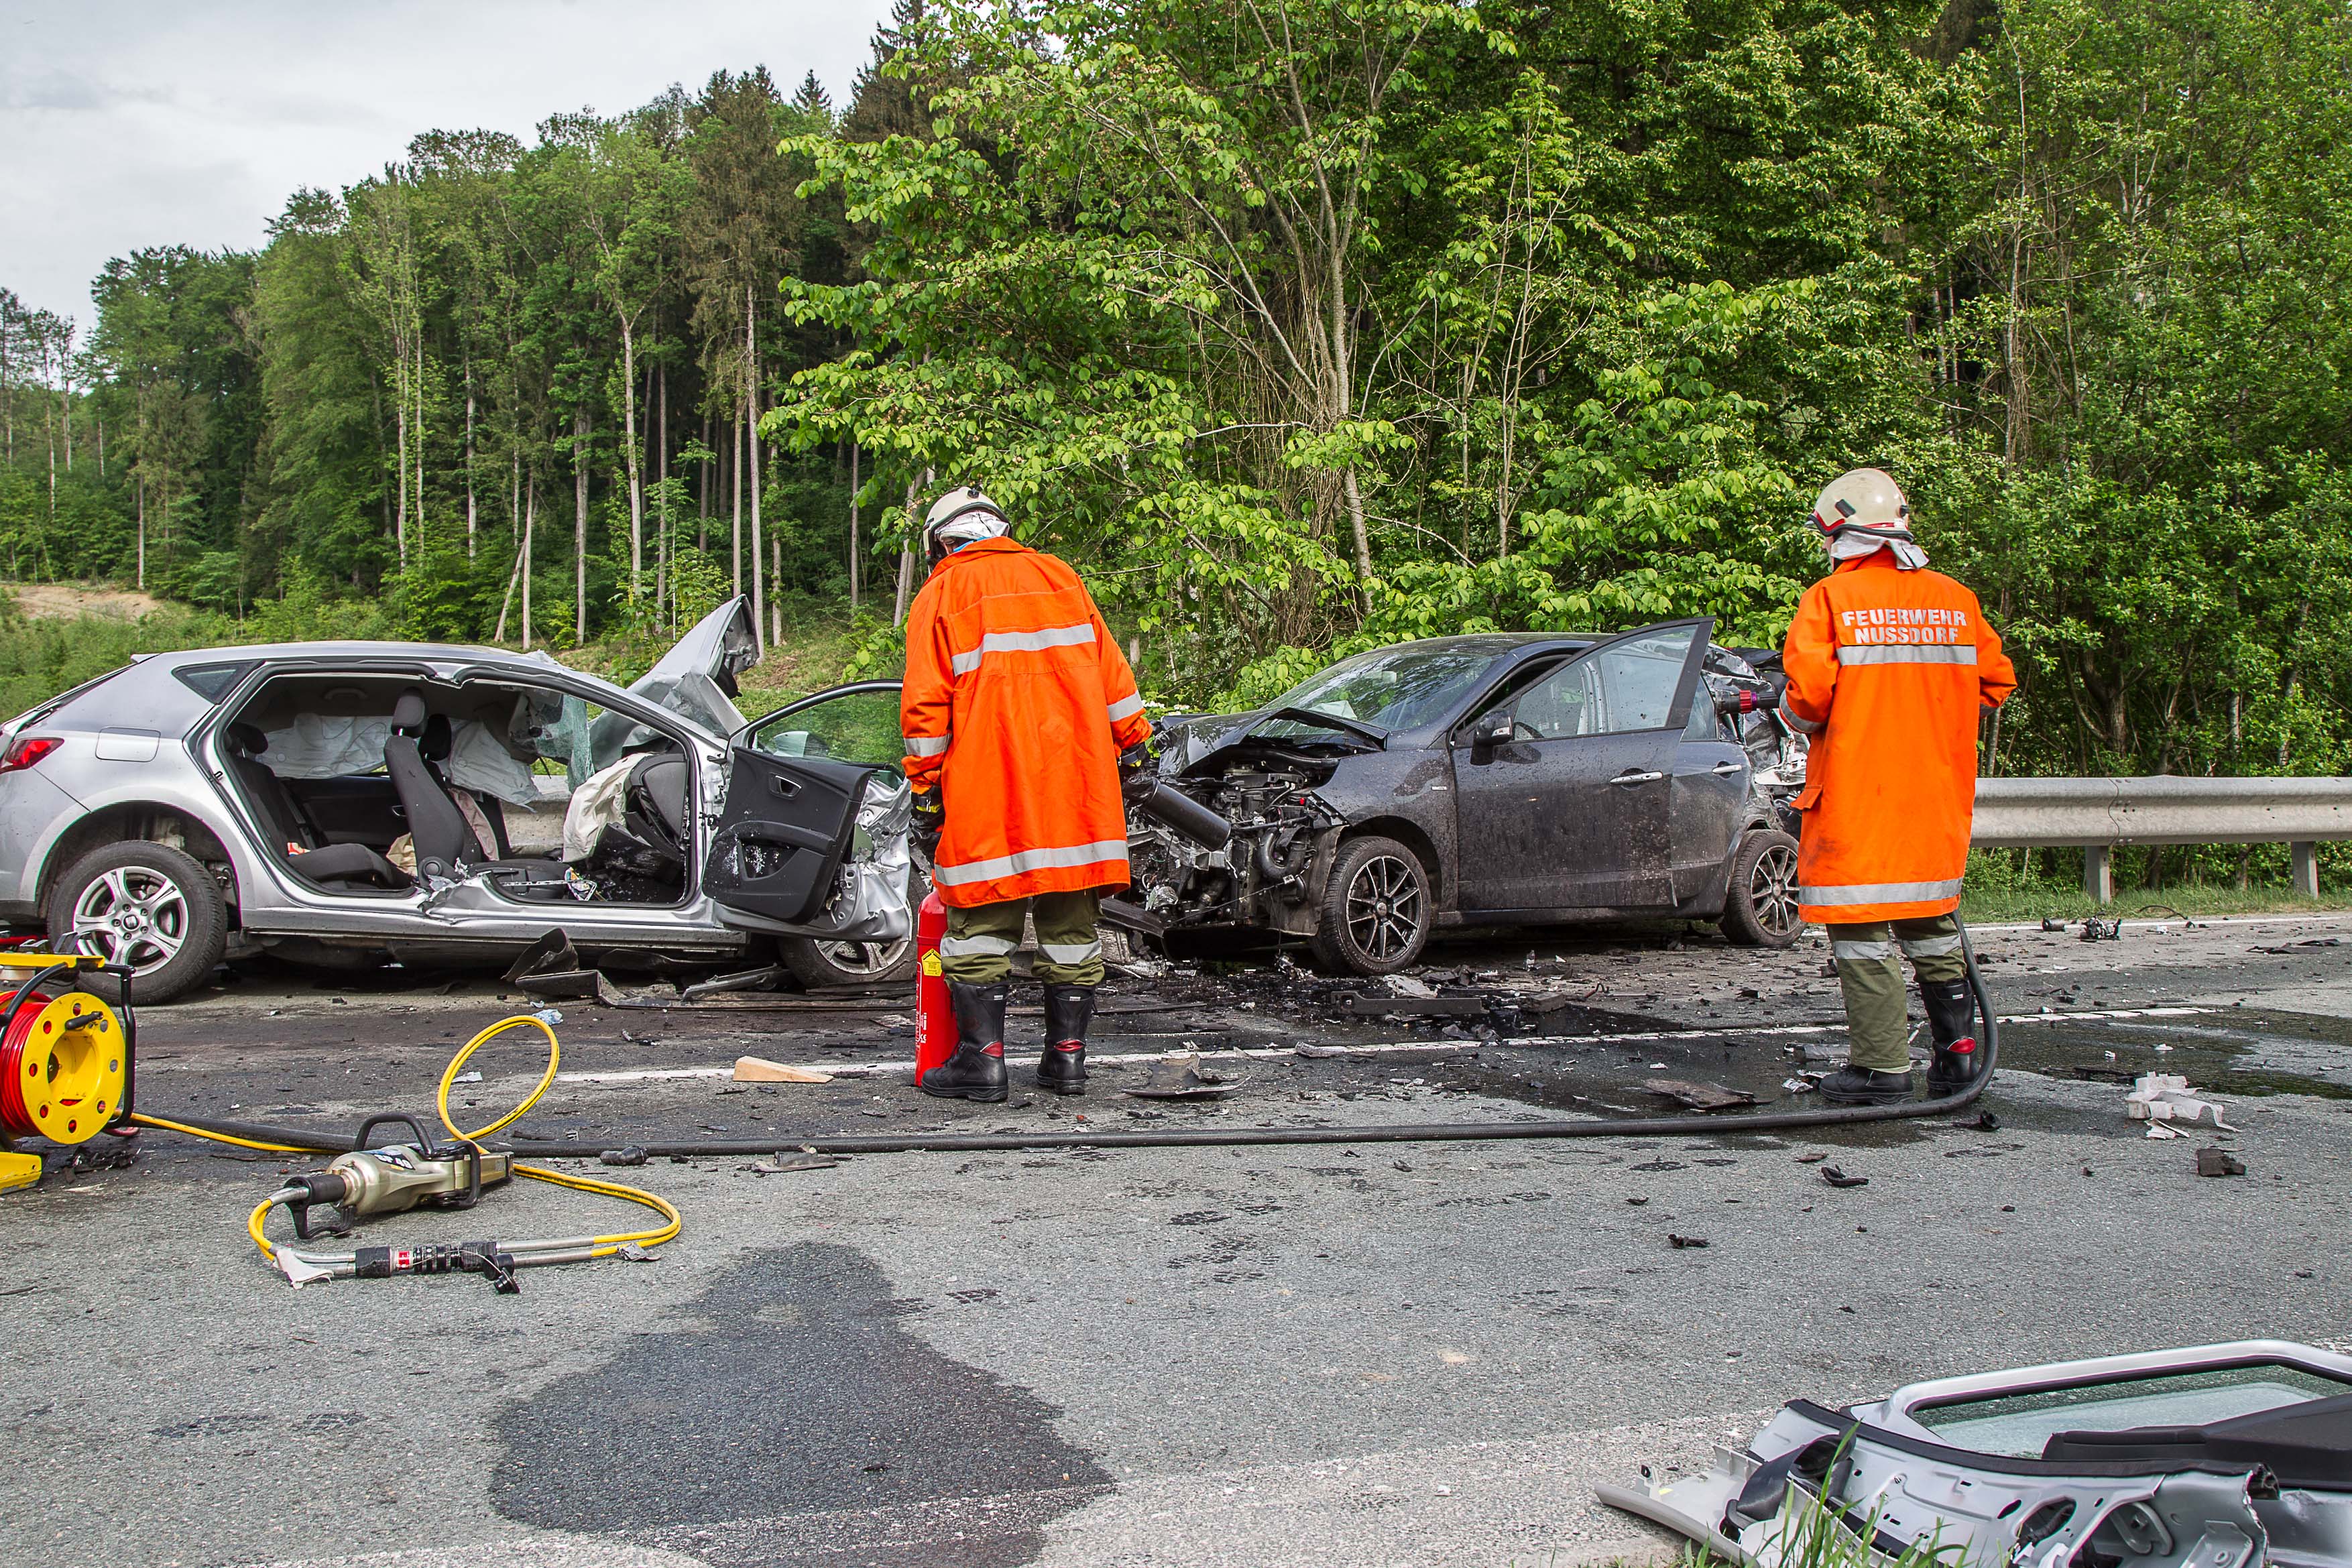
[(65, 1061)]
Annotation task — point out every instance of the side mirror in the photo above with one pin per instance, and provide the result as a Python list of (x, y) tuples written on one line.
[(1492, 731)]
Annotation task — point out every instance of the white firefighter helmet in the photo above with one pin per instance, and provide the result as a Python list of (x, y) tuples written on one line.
[(961, 517), (1867, 501)]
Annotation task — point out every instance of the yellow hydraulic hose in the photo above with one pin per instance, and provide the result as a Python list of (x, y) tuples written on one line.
[(601, 1246), (605, 1246)]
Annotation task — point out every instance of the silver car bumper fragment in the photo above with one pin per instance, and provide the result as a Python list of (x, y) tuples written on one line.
[(1818, 1485)]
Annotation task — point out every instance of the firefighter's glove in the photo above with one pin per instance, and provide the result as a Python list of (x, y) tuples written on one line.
[(929, 819), (1141, 758)]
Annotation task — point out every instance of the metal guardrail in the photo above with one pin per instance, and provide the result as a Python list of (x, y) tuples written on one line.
[(2096, 814)]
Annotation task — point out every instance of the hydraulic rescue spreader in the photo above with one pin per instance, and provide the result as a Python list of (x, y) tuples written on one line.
[(362, 1182), (66, 1058)]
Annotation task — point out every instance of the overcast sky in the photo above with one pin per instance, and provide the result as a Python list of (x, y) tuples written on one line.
[(126, 123)]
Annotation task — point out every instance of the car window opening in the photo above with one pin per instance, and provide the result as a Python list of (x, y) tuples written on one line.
[(368, 786)]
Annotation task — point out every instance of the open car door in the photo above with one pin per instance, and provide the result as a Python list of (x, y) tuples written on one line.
[(776, 852)]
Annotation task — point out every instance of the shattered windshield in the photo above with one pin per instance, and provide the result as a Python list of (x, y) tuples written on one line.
[(1391, 688)]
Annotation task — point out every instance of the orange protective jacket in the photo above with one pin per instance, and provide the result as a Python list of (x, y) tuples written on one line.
[(1887, 671), (1016, 705)]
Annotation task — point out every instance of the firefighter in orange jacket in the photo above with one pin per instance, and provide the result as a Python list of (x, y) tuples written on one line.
[(1020, 714), (1889, 665)]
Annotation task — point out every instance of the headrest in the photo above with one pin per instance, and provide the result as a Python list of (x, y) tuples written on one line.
[(434, 746), (408, 713), (248, 739)]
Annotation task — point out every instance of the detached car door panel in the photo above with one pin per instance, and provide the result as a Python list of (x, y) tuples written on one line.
[(1574, 812), (779, 843)]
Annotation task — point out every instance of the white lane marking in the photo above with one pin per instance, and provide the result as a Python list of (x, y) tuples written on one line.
[(1425, 1047)]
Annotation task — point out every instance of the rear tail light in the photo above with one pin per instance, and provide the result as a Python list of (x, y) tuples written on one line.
[(28, 750)]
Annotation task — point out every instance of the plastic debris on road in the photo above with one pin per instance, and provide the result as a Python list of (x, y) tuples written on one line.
[(2167, 1097)]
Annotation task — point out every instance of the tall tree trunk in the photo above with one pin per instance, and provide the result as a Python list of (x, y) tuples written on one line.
[(852, 527), (629, 436), (420, 441), (752, 408), (506, 599), (702, 490), (142, 531), (580, 525), (529, 521), (400, 517), (469, 460), (661, 489), (905, 562), (735, 541)]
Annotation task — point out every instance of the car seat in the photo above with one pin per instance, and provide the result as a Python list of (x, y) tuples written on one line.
[(445, 843), (289, 827), (435, 745)]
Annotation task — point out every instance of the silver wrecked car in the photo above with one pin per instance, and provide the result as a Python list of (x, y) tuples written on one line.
[(348, 803)]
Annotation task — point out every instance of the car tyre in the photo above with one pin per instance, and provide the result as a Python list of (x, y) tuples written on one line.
[(1376, 911), (817, 961), (1759, 908), (159, 909)]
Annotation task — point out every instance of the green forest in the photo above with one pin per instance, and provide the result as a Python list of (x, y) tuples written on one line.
[(1300, 326)]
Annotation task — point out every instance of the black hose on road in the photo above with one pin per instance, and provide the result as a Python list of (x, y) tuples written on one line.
[(1988, 1042)]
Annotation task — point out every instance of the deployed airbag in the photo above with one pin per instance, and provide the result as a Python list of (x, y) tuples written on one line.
[(325, 746), (597, 807)]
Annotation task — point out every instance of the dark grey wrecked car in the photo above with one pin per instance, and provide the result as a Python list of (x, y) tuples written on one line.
[(1489, 780), (344, 803)]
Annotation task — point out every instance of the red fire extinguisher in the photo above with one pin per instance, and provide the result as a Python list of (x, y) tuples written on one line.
[(935, 1029)]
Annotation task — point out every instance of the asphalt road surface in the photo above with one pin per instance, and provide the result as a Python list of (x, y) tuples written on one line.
[(1363, 1353)]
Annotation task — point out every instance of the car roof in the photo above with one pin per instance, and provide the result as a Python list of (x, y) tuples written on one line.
[(240, 651), (1496, 642)]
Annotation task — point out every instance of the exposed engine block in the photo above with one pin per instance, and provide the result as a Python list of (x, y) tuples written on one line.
[(1276, 820)]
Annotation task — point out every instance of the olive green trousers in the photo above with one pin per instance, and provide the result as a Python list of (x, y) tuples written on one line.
[(981, 940), (1876, 1000)]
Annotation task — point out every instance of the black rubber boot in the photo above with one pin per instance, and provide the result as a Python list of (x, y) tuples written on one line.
[(1951, 1022), (1068, 1010), (1862, 1086), (976, 1070)]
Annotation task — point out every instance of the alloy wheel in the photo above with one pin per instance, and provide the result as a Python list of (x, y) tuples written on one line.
[(1772, 891), (868, 960), (1384, 908), (133, 916)]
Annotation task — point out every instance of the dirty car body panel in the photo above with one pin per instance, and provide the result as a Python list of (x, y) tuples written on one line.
[(1540, 779)]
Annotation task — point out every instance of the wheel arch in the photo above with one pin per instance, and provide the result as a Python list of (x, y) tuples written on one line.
[(1413, 836), (152, 821)]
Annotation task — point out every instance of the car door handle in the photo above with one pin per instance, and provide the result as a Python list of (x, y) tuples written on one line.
[(1727, 767), (1637, 779)]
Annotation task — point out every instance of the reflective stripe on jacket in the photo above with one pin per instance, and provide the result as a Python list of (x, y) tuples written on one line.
[(1016, 704), (1887, 671)]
